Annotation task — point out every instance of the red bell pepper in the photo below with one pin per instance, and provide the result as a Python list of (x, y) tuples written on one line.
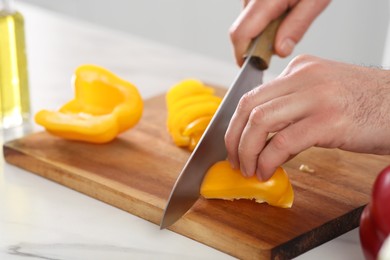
[(375, 219)]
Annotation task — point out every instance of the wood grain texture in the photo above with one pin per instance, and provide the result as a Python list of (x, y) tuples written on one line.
[(137, 171)]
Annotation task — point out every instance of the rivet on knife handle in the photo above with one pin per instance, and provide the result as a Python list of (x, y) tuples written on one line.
[(262, 47)]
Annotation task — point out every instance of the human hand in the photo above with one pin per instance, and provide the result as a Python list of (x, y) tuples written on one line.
[(257, 14), (314, 102)]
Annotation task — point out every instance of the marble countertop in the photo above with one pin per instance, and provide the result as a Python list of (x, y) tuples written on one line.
[(40, 219)]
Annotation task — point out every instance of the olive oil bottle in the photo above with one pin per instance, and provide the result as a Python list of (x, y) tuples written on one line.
[(14, 90)]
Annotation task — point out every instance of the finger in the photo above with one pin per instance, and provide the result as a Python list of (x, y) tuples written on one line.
[(233, 135), (252, 99), (270, 117), (295, 25), (286, 144), (251, 22)]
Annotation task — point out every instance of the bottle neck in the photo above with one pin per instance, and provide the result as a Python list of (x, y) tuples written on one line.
[(7, 6)]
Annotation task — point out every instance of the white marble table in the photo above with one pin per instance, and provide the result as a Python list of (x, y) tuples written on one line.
[(40, 219)]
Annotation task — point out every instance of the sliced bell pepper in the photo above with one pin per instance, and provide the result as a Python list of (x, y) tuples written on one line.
[(191, 105), (223, 182), (197, 126), (104, 106), (185, 88)]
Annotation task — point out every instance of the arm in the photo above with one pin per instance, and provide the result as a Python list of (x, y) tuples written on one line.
[(314, 102)]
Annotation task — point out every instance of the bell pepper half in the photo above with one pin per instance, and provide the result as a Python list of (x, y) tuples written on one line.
[(103, 107), (223, 182)]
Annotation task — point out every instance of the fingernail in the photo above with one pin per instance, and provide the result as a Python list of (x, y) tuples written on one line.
[(287, 47)]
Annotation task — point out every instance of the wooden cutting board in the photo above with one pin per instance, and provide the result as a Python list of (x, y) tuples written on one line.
[(137, 171)]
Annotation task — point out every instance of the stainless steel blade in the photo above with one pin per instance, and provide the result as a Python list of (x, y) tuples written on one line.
[(211, 148)]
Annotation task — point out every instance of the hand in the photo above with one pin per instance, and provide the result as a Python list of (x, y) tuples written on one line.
[(257, 14), (314, 102)]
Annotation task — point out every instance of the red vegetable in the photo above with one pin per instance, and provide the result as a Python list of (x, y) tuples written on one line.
[(375, 219)]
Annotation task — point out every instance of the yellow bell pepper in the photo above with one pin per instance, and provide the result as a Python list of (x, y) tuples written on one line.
[(104, 106), (191, 105), (197, 126), (222, 182), (185, 88)]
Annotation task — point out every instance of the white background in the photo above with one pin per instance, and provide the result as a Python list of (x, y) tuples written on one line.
[(348, 30)]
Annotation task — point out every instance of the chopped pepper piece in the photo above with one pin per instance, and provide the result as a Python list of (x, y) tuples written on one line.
[(185, 88), (191, 105), (223, 182), (197, 126), (104, 106)]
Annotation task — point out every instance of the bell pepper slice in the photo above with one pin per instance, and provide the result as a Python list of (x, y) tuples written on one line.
[(194, 140), (193, 99), (195, 130), (187, 102), (197, 126), (104, 106), (223, 182), (190, 114), (188, 87)]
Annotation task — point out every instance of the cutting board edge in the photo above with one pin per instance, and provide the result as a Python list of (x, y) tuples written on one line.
[(64, 177), (106, 194), (252, 250), (289, 249), (191, 226)]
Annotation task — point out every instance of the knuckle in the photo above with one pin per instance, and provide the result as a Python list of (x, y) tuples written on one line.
[(280, 141), (258, 116), (245, 104), (303, 64), (302, 58)]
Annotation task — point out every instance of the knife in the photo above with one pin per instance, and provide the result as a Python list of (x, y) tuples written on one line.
[(211, 147)]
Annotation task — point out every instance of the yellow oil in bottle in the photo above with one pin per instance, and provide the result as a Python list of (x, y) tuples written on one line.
[(14, 91)]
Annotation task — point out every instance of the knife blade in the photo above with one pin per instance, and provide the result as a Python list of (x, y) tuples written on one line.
[(211, 147)]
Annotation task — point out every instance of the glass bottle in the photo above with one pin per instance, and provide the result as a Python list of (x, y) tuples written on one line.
[(14, 90)]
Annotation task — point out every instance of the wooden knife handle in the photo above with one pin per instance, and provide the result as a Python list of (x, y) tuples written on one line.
[(264, 45)]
